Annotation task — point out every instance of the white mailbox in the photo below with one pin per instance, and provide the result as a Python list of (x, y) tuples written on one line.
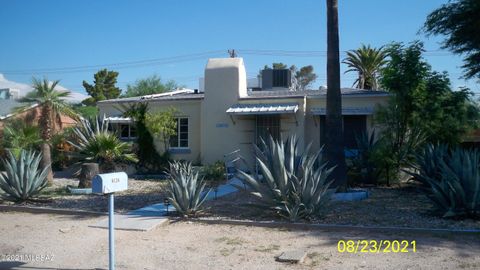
[(109, 182)]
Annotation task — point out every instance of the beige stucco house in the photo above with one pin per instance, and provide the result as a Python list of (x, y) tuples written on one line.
[(227, 116)]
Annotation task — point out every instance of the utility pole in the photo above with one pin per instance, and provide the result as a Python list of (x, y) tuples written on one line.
[(232, 53)]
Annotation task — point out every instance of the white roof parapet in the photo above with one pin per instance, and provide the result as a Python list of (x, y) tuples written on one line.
[(346, 111), (249, 109), (118, 119)]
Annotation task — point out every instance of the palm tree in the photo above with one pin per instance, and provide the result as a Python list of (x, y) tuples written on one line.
[(52, 104), (334, 131), (367, 62), (18, 136)]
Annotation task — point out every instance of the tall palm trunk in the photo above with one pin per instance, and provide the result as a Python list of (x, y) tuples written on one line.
[(334, 145), (46, 127)]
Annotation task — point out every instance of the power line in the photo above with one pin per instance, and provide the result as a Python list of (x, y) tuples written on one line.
[(119, 65)]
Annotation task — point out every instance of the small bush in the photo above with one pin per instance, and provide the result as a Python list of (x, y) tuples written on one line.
[(363, 168), (185, 188), (452, 179), (23, 178), (294, 182)]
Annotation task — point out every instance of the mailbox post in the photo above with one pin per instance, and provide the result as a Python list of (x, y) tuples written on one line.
[(109, 183)]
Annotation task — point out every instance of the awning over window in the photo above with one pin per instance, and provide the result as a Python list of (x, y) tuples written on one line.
[(251, 109), (346, 111), (119, 120)]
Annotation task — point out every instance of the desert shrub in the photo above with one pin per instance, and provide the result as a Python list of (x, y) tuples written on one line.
[(294, 182), (363, 167), (452, 179), (186, 188), (23, 177)]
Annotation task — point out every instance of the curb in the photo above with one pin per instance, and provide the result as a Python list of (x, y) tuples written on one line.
[(333, 227), (44, 210)]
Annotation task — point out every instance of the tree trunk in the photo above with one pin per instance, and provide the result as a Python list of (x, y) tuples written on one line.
[(47, 161), (334, 145), (46, 128), (88, 171)]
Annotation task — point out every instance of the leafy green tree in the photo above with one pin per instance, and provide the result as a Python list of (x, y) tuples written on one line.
[(148, 86), (52, 104), (150, 160), (459, 22), (422, 107), (334, 145), (162, 125), (366, 62), (86, 111), (103, 87)]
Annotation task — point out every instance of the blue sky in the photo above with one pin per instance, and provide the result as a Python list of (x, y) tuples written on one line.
[(58, 34)]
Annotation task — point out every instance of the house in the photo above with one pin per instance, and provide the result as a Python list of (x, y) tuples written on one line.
[(227, 116), (9, 105)]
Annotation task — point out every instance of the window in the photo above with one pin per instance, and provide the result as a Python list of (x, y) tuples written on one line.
[(180, 140), (267, 125), (352, 125), (127, 131)]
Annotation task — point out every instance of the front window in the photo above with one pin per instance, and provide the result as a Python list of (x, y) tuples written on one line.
[(267, 125), (127, 131), (180, 139)]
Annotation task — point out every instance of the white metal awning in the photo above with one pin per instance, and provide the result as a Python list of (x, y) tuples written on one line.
[(346, 111), (119, 120), (251, 109)]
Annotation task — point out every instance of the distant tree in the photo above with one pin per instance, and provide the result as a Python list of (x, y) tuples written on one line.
[(279, 66), (103, 87), (334, 146), (52, 104), (305, 77), (459, 22), (148, 86), (367, 63)]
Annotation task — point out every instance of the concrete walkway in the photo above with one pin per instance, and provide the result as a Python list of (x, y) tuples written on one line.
[(148, 217)]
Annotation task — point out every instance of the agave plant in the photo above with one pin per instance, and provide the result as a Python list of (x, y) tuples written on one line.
[(294, 183), (428, 162), (455, 186), (95, 143), (186, 189), (23, 178)]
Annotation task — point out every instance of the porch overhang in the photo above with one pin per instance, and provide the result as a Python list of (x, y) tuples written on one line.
[(119, 120), (346, 111), (263, 109)]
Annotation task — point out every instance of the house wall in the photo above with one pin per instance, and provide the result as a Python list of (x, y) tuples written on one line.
[(32, 117), (185, 108)]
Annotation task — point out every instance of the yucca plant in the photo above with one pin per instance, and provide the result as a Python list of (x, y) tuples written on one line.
[(23, 177), (455, 186), (186, 188), (95, 143), (294, 182)]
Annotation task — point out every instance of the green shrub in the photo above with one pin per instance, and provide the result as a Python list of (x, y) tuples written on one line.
[(363, 168), (294, 182), (185, 188), (23, 178), (214, 173), (452, 179)]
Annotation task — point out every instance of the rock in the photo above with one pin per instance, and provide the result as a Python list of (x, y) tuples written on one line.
[(293, 256)]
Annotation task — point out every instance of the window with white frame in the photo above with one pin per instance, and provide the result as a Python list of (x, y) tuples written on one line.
[(127, 131), (180, 139)]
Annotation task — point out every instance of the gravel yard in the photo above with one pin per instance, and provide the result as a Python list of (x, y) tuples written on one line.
[(140, 193), (190, 245), (397, 207)]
